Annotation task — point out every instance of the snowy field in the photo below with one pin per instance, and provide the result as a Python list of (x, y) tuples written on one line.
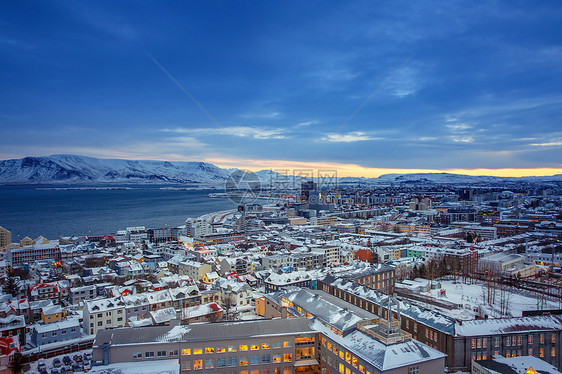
[(472, 297)]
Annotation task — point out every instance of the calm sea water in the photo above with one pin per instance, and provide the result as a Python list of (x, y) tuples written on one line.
[(54, 211)]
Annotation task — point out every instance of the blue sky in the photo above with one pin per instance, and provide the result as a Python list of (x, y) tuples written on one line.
[(364, 85)]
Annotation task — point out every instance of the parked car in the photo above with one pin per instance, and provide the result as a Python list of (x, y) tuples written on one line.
[(41, 365), (87, 365), (67, 360), (55, 371), (77, 358), (76, 367), (67, 369), (43, 371), (57, 363), (88, 356)]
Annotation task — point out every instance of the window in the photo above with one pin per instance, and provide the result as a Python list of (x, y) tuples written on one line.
[(414, 370), (265, 346), (496, 341), (354, 361), (255, 347), (266, 359), (221, 350), (108, 322), (484, 342), (552, 352), (496, 353), (100, 323), (209, 364), (530, 339), (341, 369), (232, 361), (161, 353), (137, 355), (286, 344), (186, 351), (148, 354), (244, 347), (553, 338), (288, 357), (348, 357), (221, 362), (198, 351), (209, 350), (541, 352), (530, 352), (473, 343), (541, 339), (254, 360), (519, 340), (198, 365), (276, 359), (508, 341), (276, 344), (63, 332), (479, 343), (243, 361), (231, 348)]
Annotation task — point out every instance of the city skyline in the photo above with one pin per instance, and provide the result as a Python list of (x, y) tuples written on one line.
[(365, 89)]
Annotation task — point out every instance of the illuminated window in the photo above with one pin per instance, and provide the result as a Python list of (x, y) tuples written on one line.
[(484, 356), (348, 357), (276, 359), (473, 343), (329, 346), (519, 340), (286, 344), (265, 346), (243, 361), (288, 357), (485, 342), (541, 338), (243, 347), (231, 348), (496, 341), (530, 340), (553, 338), (361, 368), (209, 350), (347, 371), (552, 352), (342, 354), (323, 341), (341, 369), (221, 350), (508, 341), (541, 352), (530, 352), (354, 361), (198, 351), (255, 347), (496, 353), (478, 356), (479, 343), (198, 365), (186, 351)]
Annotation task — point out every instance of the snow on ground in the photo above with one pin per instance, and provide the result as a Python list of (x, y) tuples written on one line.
[(471, 297), (145, 367)]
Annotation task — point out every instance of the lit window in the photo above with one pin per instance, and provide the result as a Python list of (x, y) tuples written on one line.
[(473, 343), (530, 352), (209, 350), (243, 347), (276, 359), (341, 369), (541, 352), (541, 338), (286, 344), (198, 365), (243, 361), (198, 351), (221, 350), (354, 361), (552, 352), (530, 339), (265, 346), (553, 338), (288, 357), (254, 347), (231, 348)]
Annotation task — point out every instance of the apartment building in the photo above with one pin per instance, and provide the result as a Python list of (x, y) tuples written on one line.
[(196, 270), (462, 340)]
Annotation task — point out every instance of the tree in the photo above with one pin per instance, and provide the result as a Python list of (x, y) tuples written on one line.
[(228, 304), (16, 363), (11, 285)]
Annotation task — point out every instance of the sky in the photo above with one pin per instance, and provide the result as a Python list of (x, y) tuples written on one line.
[(364, 87)]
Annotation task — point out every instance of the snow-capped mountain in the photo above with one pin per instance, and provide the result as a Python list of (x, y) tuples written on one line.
[(73, 169), (81, 169)]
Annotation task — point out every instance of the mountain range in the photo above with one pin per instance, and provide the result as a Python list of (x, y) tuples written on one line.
[(74, 169)]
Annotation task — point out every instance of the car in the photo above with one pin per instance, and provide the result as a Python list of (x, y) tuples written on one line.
[(87, 365), (88, 356), (67, 360), (43, 371), (55, 371), (77, 358), (67, 369), (41, 365), (57, 363), (76, 367)]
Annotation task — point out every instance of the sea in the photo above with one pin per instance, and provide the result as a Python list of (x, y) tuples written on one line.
[(55, 211)]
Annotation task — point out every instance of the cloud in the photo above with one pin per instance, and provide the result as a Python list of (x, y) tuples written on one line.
[(356, 136), (458, 127), (548, 144), (261, 133), (261, 115)]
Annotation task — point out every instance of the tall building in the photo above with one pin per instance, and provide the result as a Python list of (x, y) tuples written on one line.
[(5, 237), (306, 187)]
